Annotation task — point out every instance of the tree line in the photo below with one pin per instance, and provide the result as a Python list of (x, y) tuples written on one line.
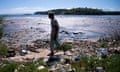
[(80, 11)]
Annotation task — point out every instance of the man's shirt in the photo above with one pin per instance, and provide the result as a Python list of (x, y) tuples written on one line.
[(54, 28)]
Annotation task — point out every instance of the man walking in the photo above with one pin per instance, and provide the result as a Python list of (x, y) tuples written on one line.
[(54, 32)]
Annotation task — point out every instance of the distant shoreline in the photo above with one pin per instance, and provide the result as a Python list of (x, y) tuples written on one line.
[(80, 11)]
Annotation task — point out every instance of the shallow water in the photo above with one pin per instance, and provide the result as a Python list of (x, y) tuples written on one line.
[(77, 26)]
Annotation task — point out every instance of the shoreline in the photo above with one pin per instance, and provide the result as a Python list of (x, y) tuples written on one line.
[(36, 52), (23, 40), (35, 47), (39, 28), (90, 50)]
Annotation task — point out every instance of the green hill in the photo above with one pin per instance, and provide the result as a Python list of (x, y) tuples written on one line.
[(80, 11)]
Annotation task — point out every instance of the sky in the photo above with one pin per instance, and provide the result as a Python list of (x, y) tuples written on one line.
[(31, 6)]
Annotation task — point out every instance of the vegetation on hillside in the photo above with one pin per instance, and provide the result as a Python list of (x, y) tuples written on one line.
[(81, 11)]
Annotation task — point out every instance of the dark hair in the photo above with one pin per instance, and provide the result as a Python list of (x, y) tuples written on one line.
[(51, 14)]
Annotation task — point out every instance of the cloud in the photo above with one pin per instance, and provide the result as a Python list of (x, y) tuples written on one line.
[(22, 10), (111, 9)]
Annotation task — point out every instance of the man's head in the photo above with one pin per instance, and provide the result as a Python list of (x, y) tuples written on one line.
[(51, 15)]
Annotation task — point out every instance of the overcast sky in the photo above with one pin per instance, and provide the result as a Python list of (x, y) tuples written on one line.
[(30, 6)]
